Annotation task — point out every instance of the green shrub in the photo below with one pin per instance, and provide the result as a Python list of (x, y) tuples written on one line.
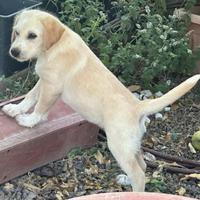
[(132, 40)]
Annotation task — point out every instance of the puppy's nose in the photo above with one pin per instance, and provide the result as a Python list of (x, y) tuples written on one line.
[(15, 52)]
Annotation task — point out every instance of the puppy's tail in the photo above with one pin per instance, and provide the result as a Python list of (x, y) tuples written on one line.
[(149, 107)]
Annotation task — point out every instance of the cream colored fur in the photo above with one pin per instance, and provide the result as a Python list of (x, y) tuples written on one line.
[(69, 69)]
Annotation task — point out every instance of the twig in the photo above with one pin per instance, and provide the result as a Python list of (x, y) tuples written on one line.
[(15, 100), (102, 136), (173, 169), (181, 160), (27, 77)]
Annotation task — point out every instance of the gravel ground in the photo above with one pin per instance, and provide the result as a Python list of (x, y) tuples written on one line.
[(94, 170)]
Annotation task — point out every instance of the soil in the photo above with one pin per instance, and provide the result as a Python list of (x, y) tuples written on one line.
[(94, 170)]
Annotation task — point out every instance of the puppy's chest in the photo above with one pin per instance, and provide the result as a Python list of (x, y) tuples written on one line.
[(38, 68)]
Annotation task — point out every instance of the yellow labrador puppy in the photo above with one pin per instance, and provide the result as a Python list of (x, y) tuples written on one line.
[(69, 69)]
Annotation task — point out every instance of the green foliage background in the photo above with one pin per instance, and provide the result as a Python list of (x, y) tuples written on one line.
[(132, 39)]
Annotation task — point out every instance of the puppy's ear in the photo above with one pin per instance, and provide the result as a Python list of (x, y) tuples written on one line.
[(53, 31), (13, 34)]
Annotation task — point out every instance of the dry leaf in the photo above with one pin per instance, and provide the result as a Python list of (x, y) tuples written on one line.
[(196, 105), (59, 195), (150, 141), (175, 106), (194, 176), (92, 170), (48, 184), (64, 185), (31, 187), (100, 158), (167, 136), (181, 191), (192, 149), (134, 88), (159, 170)]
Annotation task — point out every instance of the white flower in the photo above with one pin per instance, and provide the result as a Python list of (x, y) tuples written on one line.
[(174, 31), (159, 17), (165, 48), (149, 25), (168, 82), (154, 64), (147, 9), (189, 51), (165, 27), (162, 37), (158, 29), (137, 56), (173, 16), (175, 43), (143, 31), (138, 26), (164, 67)]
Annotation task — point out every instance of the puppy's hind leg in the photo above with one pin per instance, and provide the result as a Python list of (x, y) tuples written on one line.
[(124, 152), (140, 159)]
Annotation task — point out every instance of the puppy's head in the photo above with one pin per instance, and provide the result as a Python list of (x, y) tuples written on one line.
[(34, 32)]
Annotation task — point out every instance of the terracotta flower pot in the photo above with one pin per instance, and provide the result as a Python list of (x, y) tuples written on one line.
[(132, 196)]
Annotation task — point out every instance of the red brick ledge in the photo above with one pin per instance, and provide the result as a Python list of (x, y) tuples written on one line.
[(23, 149)]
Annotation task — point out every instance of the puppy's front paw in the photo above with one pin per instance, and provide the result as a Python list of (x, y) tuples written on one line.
[(29, 120), (12, 109)]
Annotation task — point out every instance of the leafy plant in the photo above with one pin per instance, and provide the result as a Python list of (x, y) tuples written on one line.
[(156, 185), (17, 84), (135, 42)]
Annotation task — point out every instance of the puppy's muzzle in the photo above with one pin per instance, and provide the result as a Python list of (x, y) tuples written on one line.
[(15, 52)]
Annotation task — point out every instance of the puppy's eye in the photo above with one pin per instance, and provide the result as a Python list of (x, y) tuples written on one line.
[(16, 33), (31, 36)]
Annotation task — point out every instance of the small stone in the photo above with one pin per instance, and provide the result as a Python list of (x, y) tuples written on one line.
[(147, 121), (123, 179), (158, 94), (31, 196), (146, 93), (149, 157), (46, 171), (158, 116), (168, 82), (28, 195), (142, 97), (167, 109), (8, 187), (181, 191), (136, 95)]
